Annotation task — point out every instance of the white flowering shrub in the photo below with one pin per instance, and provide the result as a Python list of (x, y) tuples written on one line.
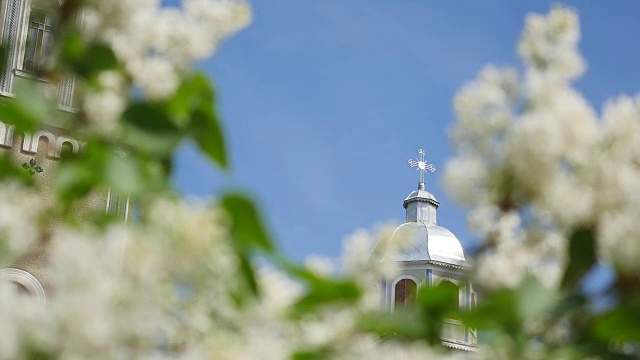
[(550, 188)]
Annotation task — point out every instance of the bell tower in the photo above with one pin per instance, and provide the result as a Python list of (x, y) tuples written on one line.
[(433, 257)]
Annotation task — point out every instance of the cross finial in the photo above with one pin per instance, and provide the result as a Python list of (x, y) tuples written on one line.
[(421, 166)]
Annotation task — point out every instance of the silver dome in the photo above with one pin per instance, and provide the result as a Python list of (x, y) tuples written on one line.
[(428, 242)]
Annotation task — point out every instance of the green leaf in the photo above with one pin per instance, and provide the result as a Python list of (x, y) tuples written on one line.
[(123, 173), (582, 257), (498, 310), (209, 137), (534, 299), (149, 118), (249, 235), (86, 59), (248, 274), (620, 323), (74, 180), (150, 129), (9, 170), (13, 114), (29, 108), (313, 354), (72, 45), (435, 304), (324, 291), (193, 107), (321, 290), (405, 324), (247, 228), (438, 299), (193, 93), (79, 175), (97, 58), (206, 127)]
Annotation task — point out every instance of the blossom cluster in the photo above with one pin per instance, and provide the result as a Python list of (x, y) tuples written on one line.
[(162, 288), (155, 44), (174, 283), (535, 162), (19, 210)]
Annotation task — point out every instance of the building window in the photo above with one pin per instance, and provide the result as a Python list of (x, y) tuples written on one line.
[(405, 293), (39, 40)]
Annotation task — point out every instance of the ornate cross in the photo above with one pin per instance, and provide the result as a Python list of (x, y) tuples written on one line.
[(421, 165)]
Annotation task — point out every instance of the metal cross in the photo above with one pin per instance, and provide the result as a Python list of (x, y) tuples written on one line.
[(421, 165)]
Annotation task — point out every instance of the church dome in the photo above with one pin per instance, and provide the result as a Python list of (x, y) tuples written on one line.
[(427, 254), (424, 239), (428, 242)]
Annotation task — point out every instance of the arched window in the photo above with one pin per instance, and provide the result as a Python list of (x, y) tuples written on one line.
[(405, 293), (25, 282)]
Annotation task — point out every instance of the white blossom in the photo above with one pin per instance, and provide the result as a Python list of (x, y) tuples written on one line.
[(367, 255), (321, 265), (534, 163), (549, 44), (104, 105), (156, 45), (531, 147), (20, 211)]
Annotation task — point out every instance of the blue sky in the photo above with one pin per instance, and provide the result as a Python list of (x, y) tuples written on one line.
[(323, 103)]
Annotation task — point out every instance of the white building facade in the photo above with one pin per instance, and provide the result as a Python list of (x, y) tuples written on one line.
[(27, 29)]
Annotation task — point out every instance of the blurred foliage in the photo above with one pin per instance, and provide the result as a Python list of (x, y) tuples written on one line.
[(137, 158)]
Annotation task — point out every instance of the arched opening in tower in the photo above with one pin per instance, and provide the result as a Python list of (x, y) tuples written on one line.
[(405, 293)]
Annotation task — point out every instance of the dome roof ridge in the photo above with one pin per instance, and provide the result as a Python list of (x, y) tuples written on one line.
[(425, 240)]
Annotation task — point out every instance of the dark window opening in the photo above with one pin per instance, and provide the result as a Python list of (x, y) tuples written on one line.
[(405, 292), (39, 40)]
